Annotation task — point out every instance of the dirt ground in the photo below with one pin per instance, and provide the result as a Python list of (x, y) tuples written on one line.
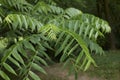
[(56, 72)]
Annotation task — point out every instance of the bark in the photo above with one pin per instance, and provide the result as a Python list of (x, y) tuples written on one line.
[(99, 4), (104, 12), (110, 20)]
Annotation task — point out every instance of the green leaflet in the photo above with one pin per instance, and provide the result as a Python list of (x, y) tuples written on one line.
[(87, 65), (87, 31), (28, 45), (31, 23), (9, 68), (15, 24), (66, 51), (84, 63), (72, 49), (60, 37), (79, 57), (72, 12), (14, 61), (21, 50), (8, 53), (91, 33), (95, 47), (41, 60), (68, 46), (4, 76), (81, 42), (35, 40), (81, 29), (38, 68), (27, 79), (20, 21), (34, 76), (24, 21), (18, 57), (63, 57), (76, 26), (44, 54), (55, 9), (63, 45)]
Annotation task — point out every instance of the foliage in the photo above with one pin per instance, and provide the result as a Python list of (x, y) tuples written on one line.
[(97, 7), (33, 28)]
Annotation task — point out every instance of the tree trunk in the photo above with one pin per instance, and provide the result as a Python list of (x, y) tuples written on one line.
[(99, 4), (104, 12), (110, 20)]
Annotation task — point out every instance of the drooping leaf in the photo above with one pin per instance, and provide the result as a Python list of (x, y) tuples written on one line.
[(18, 57), (34, 76), (9, 68), (41, 60), (14, 62), (4, 75), (38, 68), (28, 45)]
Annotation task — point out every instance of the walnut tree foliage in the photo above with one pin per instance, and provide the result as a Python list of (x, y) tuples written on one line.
[(28, 28)]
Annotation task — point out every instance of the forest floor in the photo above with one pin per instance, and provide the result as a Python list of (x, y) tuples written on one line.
[(108, 69), (56, 72)]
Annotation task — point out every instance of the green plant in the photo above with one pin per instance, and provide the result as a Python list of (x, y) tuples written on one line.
[(33, 27)]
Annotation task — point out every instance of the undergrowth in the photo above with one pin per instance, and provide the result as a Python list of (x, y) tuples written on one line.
[(108, 66)]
